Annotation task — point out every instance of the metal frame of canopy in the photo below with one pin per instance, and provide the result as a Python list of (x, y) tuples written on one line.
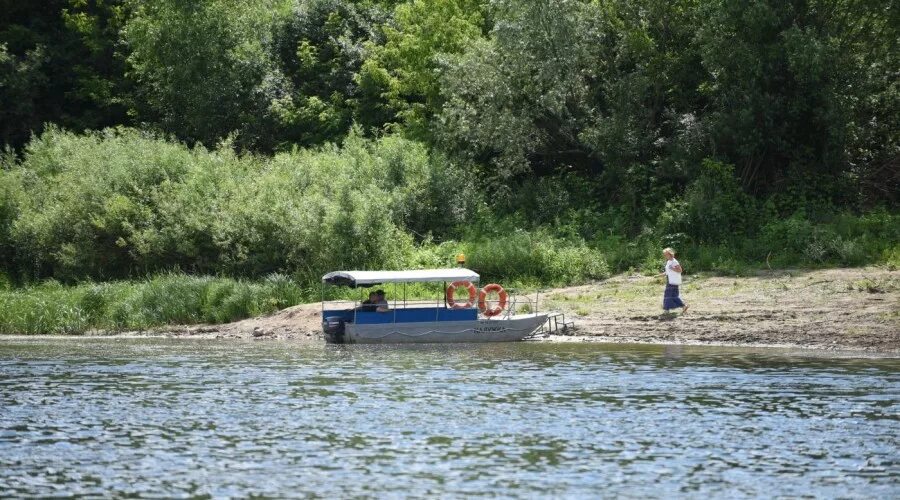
[(354, 279)]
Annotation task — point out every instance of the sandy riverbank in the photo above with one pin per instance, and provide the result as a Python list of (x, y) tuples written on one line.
[(838, 309), (822, 309)]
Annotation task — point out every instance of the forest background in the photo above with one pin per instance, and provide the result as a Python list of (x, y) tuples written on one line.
[(204, 160)]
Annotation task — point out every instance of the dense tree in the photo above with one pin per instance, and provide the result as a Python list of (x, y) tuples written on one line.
[(21, 81), (518, 99), (400, 78), (646, 120), (320, 47), (866, 36), (772, 86), (203, 70), (597, 88), (59, 62), (636, 94)]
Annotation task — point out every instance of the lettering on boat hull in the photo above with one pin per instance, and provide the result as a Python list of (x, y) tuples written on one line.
[(489, 329)]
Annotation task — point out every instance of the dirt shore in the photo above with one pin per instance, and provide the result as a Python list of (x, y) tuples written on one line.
[(835, 309), (856, 309)]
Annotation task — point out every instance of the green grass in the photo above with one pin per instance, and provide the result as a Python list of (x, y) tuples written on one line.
[(51, 308), (747, 256)]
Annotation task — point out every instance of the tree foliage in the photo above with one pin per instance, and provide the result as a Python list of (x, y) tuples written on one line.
[(59, 62), (320, 47), (401, 76), (603, 121), (202, 69), (121, 202)]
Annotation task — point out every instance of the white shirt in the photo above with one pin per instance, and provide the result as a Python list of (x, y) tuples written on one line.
[(673, 276)]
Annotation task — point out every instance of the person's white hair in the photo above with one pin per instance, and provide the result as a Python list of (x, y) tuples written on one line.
[(669, 250)]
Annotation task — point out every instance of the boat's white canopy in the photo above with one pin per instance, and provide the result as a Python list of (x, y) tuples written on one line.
[(367, 278)]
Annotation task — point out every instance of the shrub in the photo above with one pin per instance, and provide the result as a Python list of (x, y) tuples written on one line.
[(160, 300), (121, 203), (240, 303), (878, 225), (9, 205), (94, 302), (713, 208), (124, 204), (85, 198), (891, 257), (788, 237), (796, 240), (536, 256)]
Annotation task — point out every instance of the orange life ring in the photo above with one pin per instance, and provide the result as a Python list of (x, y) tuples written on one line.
[(451, 292), (482, 300)]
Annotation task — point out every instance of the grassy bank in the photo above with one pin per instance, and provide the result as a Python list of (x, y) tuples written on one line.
[(836, 308), (179, 299), (51, 308)]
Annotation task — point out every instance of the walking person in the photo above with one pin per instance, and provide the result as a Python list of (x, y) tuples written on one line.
[(671, 299)]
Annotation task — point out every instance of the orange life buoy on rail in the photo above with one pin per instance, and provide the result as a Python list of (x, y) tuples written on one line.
[(482, 300), (451, 292)]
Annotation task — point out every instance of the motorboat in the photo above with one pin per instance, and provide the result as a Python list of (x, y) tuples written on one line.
[(485, 315)]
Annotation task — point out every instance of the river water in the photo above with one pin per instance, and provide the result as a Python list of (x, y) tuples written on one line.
[(195, 418)]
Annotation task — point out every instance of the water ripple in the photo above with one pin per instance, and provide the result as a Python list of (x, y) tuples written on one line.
[(149, 417)]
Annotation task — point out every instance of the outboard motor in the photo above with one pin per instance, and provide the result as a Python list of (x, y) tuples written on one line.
[(333, 326)]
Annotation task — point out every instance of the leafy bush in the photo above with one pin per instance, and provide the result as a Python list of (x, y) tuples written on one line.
[(848, 240), (85, 199), (713, 208), (9, 206), (162, 300), (536, 256), (120, 203), (891, 257), (124, 204), (789, 236), (878, 225), (797, 240)]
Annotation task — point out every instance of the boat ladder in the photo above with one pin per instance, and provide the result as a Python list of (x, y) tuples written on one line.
[(556, 324)]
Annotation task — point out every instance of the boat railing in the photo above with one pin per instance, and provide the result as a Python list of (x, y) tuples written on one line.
[(516, 304), (398, 304)]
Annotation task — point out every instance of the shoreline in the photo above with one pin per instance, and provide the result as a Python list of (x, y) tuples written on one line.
[(786, 349), (830, 310), (828, 351)]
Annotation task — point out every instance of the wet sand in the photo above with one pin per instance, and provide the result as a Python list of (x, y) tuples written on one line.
[(833, 309)]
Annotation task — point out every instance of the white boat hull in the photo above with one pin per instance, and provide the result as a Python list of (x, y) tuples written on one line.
[(511, 329)]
